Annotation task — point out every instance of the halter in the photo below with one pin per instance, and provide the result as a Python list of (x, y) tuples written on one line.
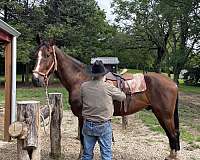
[(54, 64), (45, 75)]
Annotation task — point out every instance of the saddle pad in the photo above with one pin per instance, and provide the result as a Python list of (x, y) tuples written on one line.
[(136, 84)]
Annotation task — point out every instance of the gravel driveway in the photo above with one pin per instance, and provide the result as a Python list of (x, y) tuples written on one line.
[(135, 143)]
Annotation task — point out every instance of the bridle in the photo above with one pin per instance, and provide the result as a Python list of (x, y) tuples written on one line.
[(54, 64), (45, 75)]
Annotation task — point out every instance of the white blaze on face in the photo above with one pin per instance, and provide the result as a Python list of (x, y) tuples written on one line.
[(38, 64)]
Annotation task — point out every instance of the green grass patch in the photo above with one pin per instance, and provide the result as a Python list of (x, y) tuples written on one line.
[(189, 89), (150, 120), (2, 96), (38, 94), (134, 71), (18, 78), (189, 116), (185, 126), (116, 120), (187, 136)]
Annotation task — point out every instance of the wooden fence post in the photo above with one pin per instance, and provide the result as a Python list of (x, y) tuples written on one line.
[(55, 100), (28, 148), (124, 122)]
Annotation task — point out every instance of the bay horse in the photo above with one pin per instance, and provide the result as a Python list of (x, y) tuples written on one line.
[(161, 94)]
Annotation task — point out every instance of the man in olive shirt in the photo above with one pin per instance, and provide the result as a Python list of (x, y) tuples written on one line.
[(97, 98)]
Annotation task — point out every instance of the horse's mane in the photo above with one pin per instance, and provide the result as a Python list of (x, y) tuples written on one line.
[(76, 62)]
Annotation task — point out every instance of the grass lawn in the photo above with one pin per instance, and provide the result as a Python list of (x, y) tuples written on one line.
[(188, 129), (134, 71), (37, 93), (189, 89)]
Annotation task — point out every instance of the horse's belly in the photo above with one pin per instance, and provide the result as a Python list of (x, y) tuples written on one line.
[(135, 103)]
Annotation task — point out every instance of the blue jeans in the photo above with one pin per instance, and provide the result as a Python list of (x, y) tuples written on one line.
[(101, 132)]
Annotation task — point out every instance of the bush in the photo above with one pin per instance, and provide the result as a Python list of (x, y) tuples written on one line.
[(192, 77)]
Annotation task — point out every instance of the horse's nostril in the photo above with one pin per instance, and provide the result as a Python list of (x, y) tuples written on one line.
[(35, 81)]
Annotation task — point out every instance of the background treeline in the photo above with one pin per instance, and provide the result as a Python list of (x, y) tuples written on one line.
[(154, 35)]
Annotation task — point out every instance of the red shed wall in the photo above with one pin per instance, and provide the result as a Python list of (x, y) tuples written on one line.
[(4, 36)]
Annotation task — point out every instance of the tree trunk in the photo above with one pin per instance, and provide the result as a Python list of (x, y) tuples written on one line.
[(5, 13), (160, 56), (183, 53), (23, 78), (23, 75), (177, 71), (27, 73)]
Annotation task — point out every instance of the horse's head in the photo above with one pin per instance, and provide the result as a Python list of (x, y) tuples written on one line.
[(46, 63)]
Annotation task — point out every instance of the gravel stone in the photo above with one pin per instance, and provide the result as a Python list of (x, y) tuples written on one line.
[(135, 143)]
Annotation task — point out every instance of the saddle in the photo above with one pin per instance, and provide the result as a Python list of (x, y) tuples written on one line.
[(129, 84), (119, 81)]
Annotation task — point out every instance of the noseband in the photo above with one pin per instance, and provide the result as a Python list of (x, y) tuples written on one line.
[(54, 64)]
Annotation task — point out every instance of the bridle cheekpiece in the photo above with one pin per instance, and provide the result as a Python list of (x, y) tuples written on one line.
[(54, 64)]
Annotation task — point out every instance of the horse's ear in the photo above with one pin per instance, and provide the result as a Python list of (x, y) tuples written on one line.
[(51, 42), (38, 39)]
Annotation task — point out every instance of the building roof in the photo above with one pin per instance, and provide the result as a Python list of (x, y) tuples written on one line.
[(106, 60), (7, 28)]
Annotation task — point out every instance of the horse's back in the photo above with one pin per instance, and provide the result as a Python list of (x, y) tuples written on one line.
[(159, 81)]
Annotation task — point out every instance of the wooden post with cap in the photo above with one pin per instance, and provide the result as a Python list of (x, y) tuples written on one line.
[(55, 100), (27, 130)]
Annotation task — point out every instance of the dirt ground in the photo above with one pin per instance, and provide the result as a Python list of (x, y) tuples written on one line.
[(135, 143)]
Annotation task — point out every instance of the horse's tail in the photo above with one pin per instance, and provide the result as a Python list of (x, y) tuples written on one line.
[(176, 122), (176, 116)]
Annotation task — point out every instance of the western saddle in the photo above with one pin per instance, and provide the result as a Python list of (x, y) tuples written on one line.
[(119, 81)]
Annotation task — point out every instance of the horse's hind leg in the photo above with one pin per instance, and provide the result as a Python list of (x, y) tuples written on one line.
[(169, 123), (169, 128), (81, 138)]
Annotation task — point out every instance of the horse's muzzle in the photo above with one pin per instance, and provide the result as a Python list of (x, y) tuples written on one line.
[(37, 81)]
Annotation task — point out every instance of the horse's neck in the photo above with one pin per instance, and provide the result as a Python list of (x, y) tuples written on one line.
[(69, 71)]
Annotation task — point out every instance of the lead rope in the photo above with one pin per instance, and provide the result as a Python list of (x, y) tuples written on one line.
[(47, 101), (46, 90), (48, 105)]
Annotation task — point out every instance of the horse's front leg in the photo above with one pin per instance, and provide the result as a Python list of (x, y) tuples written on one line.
[(172, 156), (81, 138)]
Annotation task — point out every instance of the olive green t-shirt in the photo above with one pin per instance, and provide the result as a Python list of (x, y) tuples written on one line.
[(97, 98)]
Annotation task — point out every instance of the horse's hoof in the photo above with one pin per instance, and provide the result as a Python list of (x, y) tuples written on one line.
[(171, 158)]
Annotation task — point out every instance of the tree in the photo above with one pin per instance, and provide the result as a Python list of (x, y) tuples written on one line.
[(146, 21), (172, 27), (79, 26), (23, 15), (184, 35)]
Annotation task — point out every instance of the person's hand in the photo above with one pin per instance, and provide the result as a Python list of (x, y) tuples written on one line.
[(110, 82)]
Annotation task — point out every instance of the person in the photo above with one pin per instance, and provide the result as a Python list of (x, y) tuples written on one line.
[(97, 98)]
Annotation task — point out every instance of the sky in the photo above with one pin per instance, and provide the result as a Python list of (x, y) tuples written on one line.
[(105, 5)]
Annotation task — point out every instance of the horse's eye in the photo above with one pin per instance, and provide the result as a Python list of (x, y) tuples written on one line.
[(48, 55)]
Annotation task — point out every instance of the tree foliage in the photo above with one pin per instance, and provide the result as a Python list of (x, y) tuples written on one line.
[(170, 27), (79, 27), (161, 34)]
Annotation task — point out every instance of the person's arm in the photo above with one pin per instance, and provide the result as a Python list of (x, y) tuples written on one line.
[(117, 94)]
